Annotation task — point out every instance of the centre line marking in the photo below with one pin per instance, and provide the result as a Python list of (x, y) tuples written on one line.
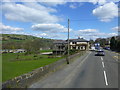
[(106, 82), (101, 58), (103, 64)]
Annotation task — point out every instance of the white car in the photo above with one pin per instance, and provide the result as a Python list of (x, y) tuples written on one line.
[(92, 49)]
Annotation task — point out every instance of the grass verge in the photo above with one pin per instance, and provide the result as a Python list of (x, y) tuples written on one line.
[(11, 67)]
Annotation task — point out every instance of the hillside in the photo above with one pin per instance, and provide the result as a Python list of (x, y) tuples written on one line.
[(16, 37), (17, 41)]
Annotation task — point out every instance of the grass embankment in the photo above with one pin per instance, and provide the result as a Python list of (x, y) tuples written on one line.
[(12, 67)]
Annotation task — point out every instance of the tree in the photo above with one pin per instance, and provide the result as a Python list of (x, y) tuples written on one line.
[(113, 43), (102, 41), (91, 41), (32, 46), (118, 46), (27, 45)]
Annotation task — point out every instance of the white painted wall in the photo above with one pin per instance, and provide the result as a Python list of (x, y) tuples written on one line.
[(81, 42)]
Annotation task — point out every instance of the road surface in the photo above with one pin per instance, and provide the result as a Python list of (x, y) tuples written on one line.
[(88, 71)]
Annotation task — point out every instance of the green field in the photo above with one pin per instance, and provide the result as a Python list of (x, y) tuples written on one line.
[(42, 51), (12, 67)]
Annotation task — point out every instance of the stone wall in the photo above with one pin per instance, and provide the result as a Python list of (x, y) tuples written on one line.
[(27, 79)]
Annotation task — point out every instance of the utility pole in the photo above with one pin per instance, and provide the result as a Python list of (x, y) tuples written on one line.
[(68, 43)]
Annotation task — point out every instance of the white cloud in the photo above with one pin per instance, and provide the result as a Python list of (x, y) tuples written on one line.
[(29, 12), (88, 31), (116, 28), (92, 34), (9, 29), (101, 2), (85, 33), (39, 6), (112, 34), (50, 35), (58, 2), (43, 34), (54, 31), (73, 6), (52, 28), (92, 1), (55, 3), (106, 12)]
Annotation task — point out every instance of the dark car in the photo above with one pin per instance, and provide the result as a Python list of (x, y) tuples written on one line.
[(107, 48), (100, 53)]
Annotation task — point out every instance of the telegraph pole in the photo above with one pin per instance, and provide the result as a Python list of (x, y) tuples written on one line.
[(68, 43)]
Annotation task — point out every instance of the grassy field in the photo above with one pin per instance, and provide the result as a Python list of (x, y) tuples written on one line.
[(12, 67), (42, 51)]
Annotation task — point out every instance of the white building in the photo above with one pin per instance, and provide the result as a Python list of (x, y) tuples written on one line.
[(79, 44)]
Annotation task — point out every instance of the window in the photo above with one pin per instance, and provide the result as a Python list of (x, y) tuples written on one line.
[(73, 42)]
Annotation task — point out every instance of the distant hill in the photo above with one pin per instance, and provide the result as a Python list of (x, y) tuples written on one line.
[(17, 41), (16, 37)]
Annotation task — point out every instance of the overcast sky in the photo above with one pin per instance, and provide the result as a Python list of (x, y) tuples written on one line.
[(90, 20)]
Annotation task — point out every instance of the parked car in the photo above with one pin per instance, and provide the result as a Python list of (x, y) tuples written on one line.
[(107, 48), (100, 53)]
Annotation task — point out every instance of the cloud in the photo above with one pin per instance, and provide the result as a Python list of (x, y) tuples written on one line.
[(88, 31), (73, 6), (50, 35), (52, 28), (116, 28), (9, 29), (58, 2), (92, 34), (42, 12), (54, 3), (54, 31), (29, 12), (43, 34), (39, 6), (101, 2), (85, 33), (112, 34), (106, 12)]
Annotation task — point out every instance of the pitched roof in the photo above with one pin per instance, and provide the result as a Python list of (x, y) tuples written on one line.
[(71, 40), (78, 40)]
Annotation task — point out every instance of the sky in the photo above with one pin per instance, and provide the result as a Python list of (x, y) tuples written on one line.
[(90, 20)]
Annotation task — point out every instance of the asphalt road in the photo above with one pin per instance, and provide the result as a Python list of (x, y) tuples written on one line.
[(88, 71)]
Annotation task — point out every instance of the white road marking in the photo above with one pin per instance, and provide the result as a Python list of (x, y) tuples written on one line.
[(86, 57), (101, 58), (103, 64), (106, 82)]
